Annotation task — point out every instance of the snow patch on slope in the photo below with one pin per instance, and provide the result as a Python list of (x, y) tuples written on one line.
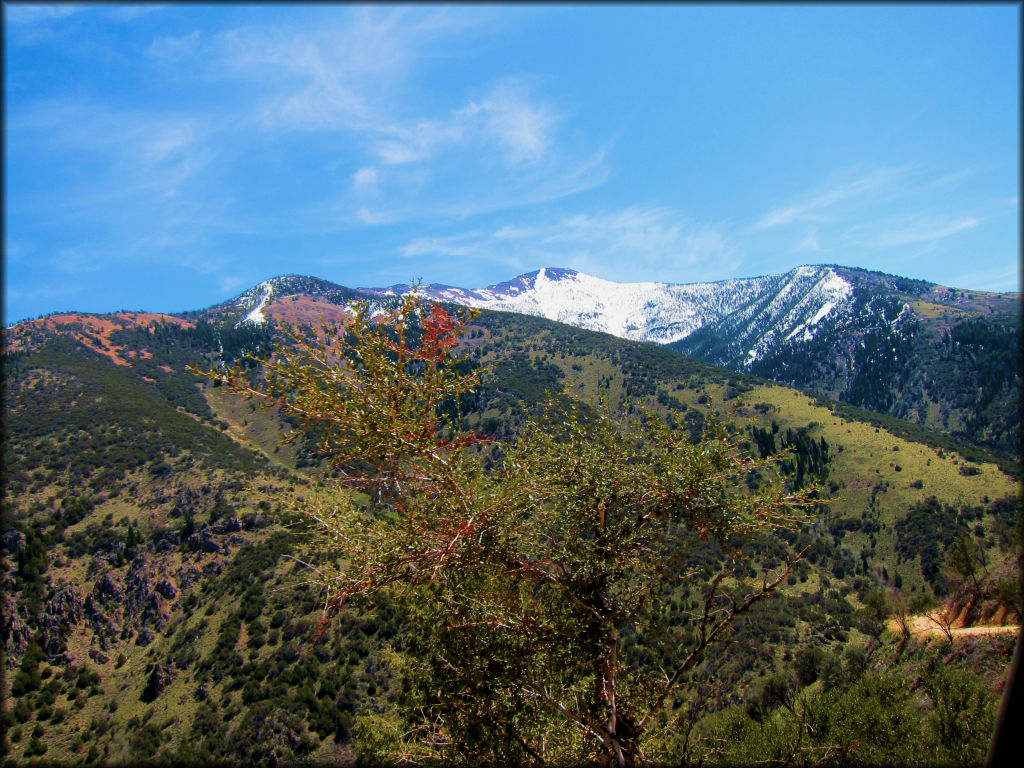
[(765, 308), (256, 316)]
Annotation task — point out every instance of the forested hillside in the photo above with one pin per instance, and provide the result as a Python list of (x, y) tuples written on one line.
[(155, 608), (938, 357)]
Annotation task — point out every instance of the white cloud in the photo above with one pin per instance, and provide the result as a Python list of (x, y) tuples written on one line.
[(373, 218), (639, 240), (173, 48), (507, 118), (33, 13), (468, 244), (523, 128), (809, 243), (495, 146), (1001, 279), (365, 178), (400, 145), (923, 233), (815, 205), (337, 76)]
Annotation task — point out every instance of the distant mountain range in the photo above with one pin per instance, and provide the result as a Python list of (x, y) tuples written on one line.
[(660, 312), (152, 609), (940, 357)]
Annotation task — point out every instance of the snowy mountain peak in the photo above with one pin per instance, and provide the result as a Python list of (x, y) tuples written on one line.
[(658, 312), (255, 301)]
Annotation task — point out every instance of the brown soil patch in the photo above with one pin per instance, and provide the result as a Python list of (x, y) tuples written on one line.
[(91, 331), (303, 309)]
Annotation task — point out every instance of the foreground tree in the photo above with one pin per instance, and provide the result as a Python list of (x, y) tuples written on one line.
[(522, 566)]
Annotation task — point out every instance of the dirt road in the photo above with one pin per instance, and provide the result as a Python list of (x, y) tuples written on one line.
[(923, 626)]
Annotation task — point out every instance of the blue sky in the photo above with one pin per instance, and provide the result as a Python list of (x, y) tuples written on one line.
[(167, 157)]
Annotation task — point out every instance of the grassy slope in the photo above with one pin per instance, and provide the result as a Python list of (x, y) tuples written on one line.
[(591, 364)]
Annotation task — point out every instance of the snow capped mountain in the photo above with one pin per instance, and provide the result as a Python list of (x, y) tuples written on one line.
[(890, 344), (772, 307)]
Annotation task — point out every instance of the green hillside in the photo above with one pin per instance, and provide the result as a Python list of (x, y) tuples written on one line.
[(941, 358), (153, 611)]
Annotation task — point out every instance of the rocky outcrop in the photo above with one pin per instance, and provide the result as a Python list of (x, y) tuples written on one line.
[(107, 590), (60, 615), (145, 637), (226, 525), (14, 632), (103, 626), (203, 541), (144, 606), (167, 589), (160, 676), (166, 540), (188, 575), (13, 542), (187, 499)]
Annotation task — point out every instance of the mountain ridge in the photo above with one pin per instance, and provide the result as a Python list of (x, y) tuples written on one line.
[(942, 358), (154, 610)]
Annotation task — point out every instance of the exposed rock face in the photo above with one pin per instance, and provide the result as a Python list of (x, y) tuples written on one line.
[(61, 612), (13, 541), (203, 541), (228, 525), (111, 553), (14, 633), (107, 590), (160, 677), (166, 540), (188, 575), (67, 604), (143, 592), (101, 623), (167, 589), (187, 499)]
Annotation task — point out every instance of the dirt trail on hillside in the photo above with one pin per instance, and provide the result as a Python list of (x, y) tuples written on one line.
[(922, 625)]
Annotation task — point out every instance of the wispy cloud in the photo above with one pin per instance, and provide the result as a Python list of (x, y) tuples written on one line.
[(130, 153), (34, 13), (30, 23), (365, 179), (924, 232), (816, 206), (809, 244), (876, 211), (341, 102), (507, 118), (336, 76), (999, 279), (174, 48), (620, 244), (465, 244)]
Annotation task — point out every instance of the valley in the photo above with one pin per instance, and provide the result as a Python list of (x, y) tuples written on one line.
[(157, 606)]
